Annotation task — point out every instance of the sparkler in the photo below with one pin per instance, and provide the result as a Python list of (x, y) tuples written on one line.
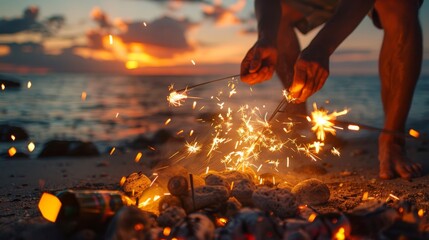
[(177, 97)]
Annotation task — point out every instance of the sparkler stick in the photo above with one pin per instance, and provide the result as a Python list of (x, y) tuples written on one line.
[(191, 180), (208, 82)]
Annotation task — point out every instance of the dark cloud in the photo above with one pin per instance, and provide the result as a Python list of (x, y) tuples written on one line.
[(28, 22), (163, 32)]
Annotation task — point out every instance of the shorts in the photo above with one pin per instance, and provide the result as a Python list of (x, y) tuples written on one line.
[(317, 12)]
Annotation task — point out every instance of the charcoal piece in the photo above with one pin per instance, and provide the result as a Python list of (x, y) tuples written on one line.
[(311, 191), (171, 216), (195, 226), (242, 190), (281, 202)]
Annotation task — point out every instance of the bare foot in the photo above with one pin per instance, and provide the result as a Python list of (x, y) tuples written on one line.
[(393, 159)]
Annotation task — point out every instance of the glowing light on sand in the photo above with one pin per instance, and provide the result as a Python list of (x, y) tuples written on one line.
[(414, 133), (167, 121), (49, 205), (12, 137), (341, 234), (83, 96), (29, 84), (12, 151), (31, 146), (138, 157), (112, 151), (322, 121)]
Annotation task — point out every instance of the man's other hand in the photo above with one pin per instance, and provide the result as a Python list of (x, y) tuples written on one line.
[(259, 63)]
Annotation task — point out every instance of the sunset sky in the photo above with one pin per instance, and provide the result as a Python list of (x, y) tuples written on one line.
[(154, 37)]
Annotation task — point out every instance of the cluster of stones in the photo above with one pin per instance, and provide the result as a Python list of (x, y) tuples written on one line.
[(223, 205)]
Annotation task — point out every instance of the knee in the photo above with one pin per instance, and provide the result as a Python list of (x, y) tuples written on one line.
[(396, 14)]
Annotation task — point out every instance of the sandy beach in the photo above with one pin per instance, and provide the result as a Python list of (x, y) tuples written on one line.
[(348, 176)]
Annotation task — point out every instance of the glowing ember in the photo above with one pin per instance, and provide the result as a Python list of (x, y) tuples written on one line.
[(138, 156), (12, 151), (49, 206), (28, 84), (221, 221), (365, 196), (421, 212), (166, 231), (341, 234), (312, 217), (31, 146), (322, 121), (414, 133), (138, 227)]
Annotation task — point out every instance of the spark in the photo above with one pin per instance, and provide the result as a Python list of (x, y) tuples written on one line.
[(31, 146), (322, 121), (193, 62), (312, 217), (335, 152), (12, 137), (3, 87), (414, 133), (167, 121), (156, 177), (122, 181), (112, 150), (365, 196), (353, 127), (207, 169), (29, 84), (176, 99), (193, 147), (179, 132), (83, 96), (138, 157), (110, 39), (421, 213), (145, 24), (117, 115), (287, 162), (194, 104), (191, 132), (12, 151)]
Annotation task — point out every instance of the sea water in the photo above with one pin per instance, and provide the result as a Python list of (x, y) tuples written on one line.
[(119, 108)]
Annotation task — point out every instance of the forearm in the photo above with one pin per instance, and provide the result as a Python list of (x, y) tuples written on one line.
[(268, 15), (345, 20)]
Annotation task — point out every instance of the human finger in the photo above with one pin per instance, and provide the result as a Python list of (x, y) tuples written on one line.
[(256, 62), (298, 83)]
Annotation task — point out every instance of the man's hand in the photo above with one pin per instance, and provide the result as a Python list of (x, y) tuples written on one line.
[(259, 63), (310, 74)]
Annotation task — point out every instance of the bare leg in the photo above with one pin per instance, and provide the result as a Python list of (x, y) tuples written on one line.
[(400, 65), (288, 51)]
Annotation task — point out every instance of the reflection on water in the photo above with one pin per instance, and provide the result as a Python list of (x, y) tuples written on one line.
[(118, 108)]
